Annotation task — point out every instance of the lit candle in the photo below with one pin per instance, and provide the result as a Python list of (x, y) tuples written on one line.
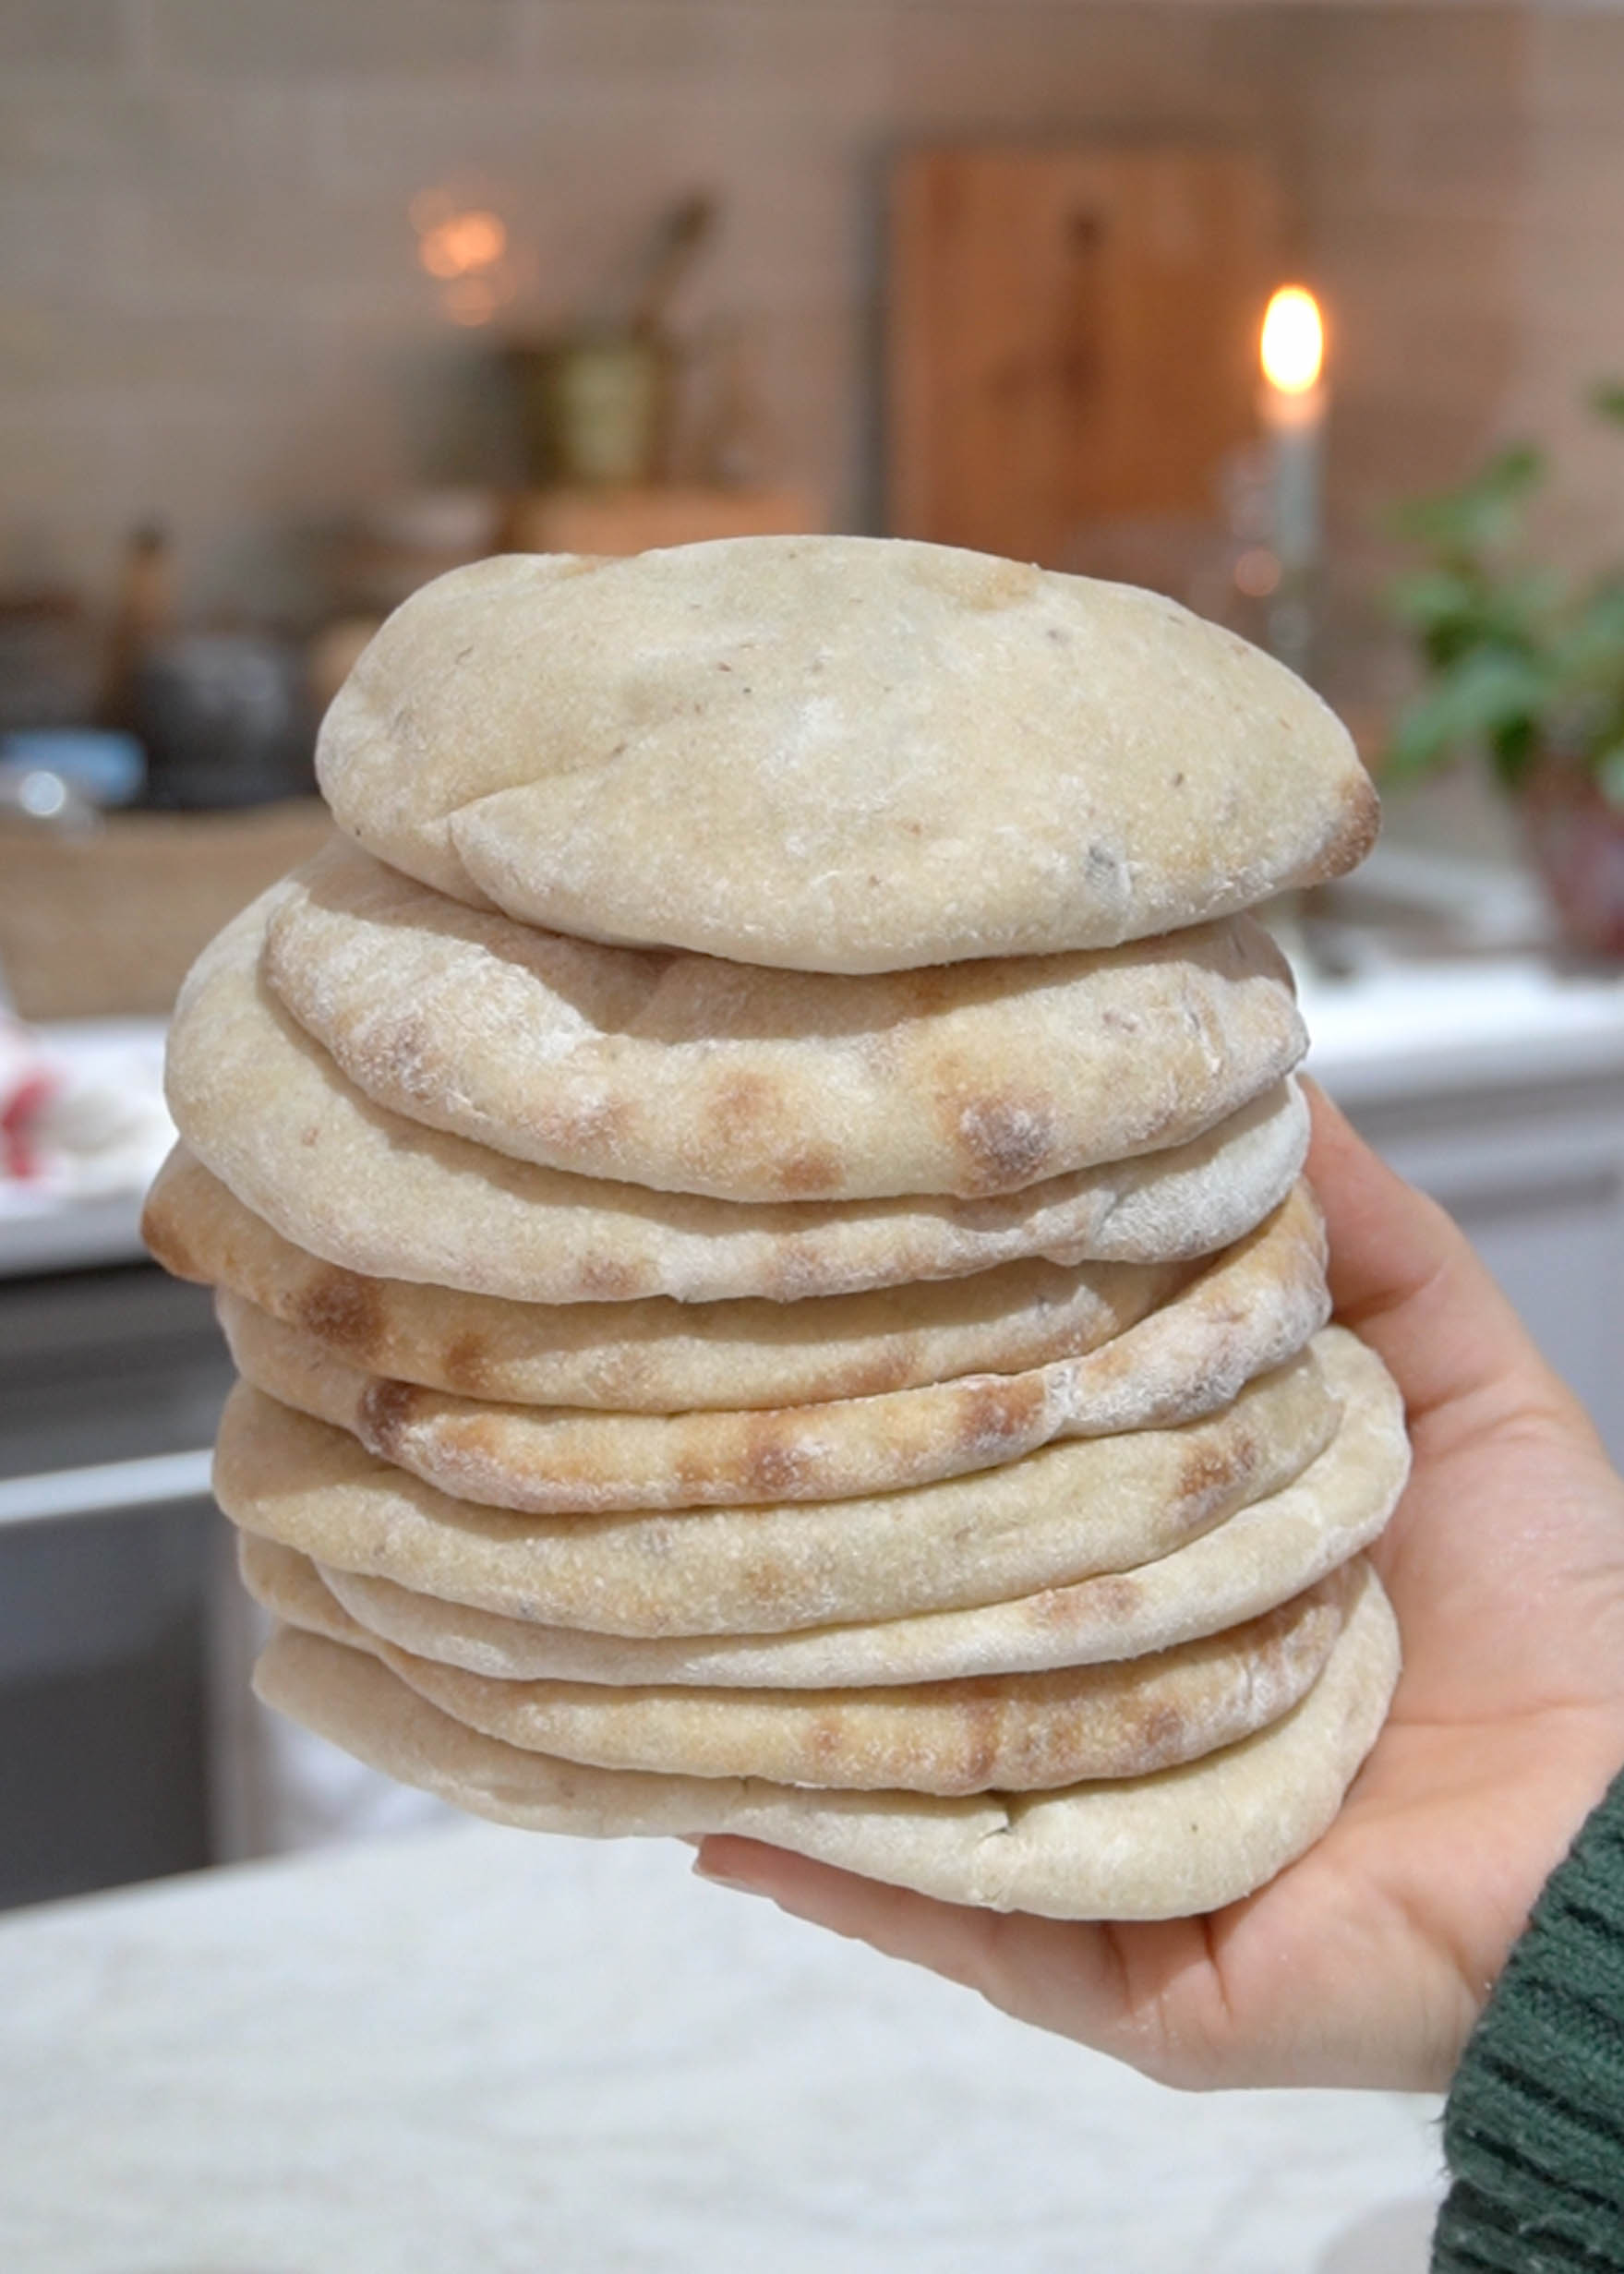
[(1293, 405)]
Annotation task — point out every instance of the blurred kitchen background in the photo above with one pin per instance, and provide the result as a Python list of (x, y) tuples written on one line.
[(302, 301)]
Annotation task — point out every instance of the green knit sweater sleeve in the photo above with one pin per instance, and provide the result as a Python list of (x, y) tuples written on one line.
[(1534, 2130)]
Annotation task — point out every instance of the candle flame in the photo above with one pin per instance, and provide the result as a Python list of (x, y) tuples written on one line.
[(1294, 341)]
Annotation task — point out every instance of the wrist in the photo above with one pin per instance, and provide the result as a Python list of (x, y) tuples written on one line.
[(1534, 2129)]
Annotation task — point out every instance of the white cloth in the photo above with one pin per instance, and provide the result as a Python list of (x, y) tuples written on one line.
[(82, 1111)]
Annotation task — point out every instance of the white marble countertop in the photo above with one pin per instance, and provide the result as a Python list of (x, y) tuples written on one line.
[(1451, 978), (1399, 1029), (470, 2049)]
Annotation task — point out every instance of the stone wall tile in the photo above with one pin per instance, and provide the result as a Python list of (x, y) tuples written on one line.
[(273, 38), (53, 34)]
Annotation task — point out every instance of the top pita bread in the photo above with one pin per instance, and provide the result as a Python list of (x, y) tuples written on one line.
[(835, 754)]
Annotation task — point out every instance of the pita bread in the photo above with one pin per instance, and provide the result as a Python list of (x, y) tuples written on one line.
[(688, 1075), (1011, 1733), (1181, 1842), (265, 1108), (865, 754), (417, 1558), (655, 1356), (1249, 1312), (1068, 1511)]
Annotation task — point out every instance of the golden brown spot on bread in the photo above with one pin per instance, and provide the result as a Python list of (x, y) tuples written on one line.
[(741, 1101), (772, 1469), (762, 1580), (1210, 1468), (886, 1370), (810, 1173), (465, 1362), (982, 1742), (601, 1278), (1347, 845), (341, 1309), (1008, 1142), (385, 1409), (1115, 1596), (1108, 1599), (1364, 810)]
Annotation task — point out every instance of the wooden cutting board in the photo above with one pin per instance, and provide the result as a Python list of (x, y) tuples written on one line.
[(1072, 337)]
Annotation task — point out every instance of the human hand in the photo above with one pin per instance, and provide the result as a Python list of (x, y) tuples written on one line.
[(1367, 1960)]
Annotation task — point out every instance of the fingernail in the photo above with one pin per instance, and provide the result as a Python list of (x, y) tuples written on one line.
[(702, 1869)]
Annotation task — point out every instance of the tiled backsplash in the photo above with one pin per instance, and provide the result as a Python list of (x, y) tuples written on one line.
[(211, 307)]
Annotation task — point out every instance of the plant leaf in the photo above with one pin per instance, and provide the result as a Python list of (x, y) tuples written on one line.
[(1607, 398), (1482, 515), (1493, 700), (1608, 770), (1426, 597), (1455, 610), (1589, 651)]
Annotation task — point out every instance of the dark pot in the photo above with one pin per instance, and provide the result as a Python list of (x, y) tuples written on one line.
[(226, 721)]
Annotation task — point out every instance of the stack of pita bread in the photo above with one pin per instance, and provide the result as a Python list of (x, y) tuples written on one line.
[(754, 1192)]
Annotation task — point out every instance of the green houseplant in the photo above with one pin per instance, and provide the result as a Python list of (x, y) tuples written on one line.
[(1524, 668)]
